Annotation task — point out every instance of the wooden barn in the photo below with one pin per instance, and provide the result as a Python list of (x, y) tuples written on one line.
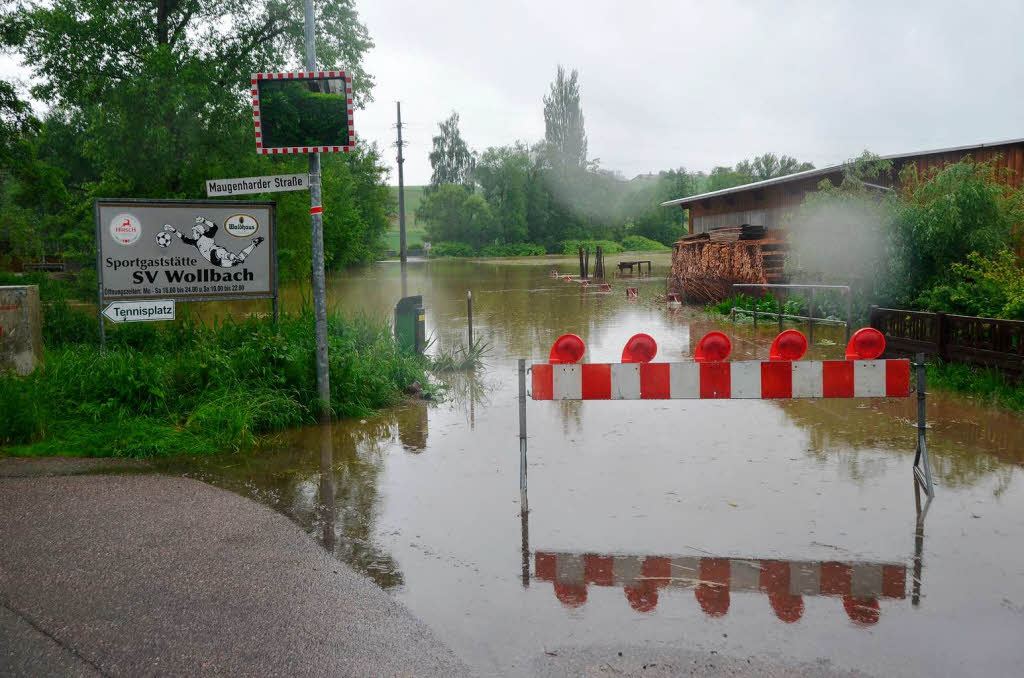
[(704, 271)]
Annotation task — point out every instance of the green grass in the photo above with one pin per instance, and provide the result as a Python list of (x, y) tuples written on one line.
[(412, 238), (194, 389), (987, 384)]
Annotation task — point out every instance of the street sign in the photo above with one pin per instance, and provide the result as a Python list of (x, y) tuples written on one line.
[(151, 310), (271, 184)]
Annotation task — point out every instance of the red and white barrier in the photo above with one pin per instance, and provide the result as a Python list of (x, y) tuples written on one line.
[(860, 585), (709, 376), (754, 379)]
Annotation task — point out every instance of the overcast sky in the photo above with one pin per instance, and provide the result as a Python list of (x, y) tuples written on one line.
[(699, 84)]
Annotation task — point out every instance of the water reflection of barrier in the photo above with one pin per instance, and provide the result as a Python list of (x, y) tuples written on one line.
[(860, 585)]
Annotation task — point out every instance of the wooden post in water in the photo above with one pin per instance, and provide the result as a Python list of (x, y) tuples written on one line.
[(582, 272), (469, 314)]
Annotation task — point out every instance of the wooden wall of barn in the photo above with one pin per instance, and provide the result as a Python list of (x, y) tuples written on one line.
[(788, 196)]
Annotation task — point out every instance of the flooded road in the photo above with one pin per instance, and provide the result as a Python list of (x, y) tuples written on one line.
[(776, 529)]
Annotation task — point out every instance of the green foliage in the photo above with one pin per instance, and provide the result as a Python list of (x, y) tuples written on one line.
[(451, 159), (191, 66), (769, 166), (572, 247), (988, 287), (197, 389), (519, 249), (453, 214), (460, 358), (638, 243), (503, 174), (452, 249), (988, 384), (943, 216)]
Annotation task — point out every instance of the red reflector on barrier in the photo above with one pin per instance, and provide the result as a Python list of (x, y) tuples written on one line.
[(713, 347), (641, 348), (866, 344), (789, 345), (568, 348)]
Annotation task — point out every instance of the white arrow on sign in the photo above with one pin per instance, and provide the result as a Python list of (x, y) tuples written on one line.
[(150, 310), (271, 184)]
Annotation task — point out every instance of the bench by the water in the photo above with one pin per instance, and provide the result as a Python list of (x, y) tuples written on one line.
[(623, 265)]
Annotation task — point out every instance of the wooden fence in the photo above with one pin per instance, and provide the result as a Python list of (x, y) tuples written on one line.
[(958, 338)]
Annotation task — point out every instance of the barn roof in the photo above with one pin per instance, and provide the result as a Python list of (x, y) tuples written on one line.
[(823, 171)]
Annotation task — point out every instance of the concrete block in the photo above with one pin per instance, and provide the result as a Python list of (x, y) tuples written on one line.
[(21, 329)]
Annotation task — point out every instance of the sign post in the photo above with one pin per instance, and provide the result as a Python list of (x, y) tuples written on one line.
[(163, 251)]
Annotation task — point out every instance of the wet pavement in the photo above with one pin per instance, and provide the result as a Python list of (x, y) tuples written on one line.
[(780, 531)]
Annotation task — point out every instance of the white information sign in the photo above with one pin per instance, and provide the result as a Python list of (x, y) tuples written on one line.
[(150, 310), (272, 184)]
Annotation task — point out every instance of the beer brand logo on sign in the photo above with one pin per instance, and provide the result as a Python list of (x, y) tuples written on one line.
[(241, 225), (125, 229)]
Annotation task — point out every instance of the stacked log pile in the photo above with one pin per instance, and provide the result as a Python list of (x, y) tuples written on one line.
[(704, 269)]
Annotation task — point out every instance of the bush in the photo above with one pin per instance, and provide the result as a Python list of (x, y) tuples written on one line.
[(638, 243), (992, 288), (452, 249), (197, 389), (571, 247), (523, 249)]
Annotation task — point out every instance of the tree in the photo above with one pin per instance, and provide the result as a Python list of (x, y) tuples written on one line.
[(451, 159), (151, 98), (503, 175), (563, 123), (453, 214), (769, 166)]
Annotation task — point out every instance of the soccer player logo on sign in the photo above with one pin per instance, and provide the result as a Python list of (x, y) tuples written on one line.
[(202, 239)]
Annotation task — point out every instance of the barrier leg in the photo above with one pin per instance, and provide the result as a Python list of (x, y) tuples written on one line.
[(922, 464), (524, 507)]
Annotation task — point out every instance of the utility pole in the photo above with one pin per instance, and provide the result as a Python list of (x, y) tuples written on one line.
[(323, 377), (402, 252)]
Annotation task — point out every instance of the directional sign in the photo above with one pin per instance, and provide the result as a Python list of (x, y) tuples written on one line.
[(140, 311), (271, 184)]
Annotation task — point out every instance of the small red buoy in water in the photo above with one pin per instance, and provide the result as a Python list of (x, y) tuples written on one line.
[(632, 293), (606, 287)]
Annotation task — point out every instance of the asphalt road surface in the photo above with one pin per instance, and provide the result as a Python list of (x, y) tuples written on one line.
[(139, 575)]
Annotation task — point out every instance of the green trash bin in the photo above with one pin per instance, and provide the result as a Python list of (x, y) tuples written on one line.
[(410, 328)]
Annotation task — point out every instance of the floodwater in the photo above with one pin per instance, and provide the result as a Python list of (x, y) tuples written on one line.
[(775, 529)]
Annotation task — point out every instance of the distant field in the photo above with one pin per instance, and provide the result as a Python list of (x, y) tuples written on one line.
[(414, 232)]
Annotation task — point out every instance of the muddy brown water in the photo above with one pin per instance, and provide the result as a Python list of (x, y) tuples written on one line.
[(780, 529)]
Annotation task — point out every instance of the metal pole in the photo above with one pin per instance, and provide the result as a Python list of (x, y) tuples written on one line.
[(810, 313), (782, 297), (323, 378), (469, 312), (402, 251), (849, 313), (921, 454), (524, 506), (99, 276)]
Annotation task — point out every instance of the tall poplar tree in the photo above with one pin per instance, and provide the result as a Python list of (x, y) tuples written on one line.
[(563, 122), (451, 159)]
